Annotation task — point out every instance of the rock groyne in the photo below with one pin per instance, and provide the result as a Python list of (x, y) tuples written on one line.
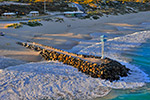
[(108, 69)]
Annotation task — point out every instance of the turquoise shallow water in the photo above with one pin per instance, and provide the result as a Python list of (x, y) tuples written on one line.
[(140, 57), (142, 96)]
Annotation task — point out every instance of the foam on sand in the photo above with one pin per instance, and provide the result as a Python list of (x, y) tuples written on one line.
[(54, 80), (114, 48), (51, 80)]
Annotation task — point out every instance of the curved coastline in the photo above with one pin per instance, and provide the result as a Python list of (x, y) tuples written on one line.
[(115, 47), (14, 72), (68, 77)]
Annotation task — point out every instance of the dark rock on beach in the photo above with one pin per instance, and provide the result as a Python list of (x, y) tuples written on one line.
[(110, 69)]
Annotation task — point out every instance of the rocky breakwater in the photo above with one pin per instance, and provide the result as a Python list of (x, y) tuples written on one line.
[(109, 69)]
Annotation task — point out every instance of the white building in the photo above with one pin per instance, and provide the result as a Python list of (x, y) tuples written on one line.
[(33, 13), (74, 14), (12, 3), (79, 13), (8, 15)]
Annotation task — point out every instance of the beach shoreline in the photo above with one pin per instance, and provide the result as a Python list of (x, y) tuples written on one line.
[(58, 35), (56, 80)]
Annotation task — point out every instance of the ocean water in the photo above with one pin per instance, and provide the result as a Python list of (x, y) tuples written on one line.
[(141, 58)]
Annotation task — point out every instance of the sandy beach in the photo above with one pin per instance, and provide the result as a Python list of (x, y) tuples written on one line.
[(59, 35), (32, 78)]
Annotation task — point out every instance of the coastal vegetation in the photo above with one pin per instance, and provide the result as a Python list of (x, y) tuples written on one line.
[(53, 80), (15, 25), (31, 23), (83, 1), (34, 22), (91, 7), (57, 19)]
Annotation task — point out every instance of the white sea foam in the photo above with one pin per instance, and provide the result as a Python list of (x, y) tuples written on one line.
[(114, 48), (54, 80), (51, 80)]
